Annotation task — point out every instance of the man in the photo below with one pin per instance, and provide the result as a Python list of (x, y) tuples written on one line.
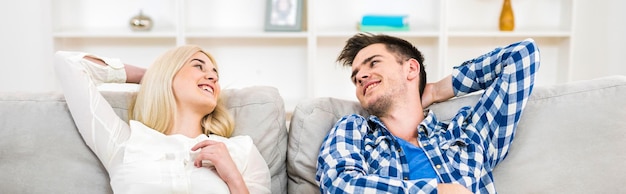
[(402, 148)]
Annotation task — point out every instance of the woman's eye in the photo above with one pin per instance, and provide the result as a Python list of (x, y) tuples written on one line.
[(198, 66), (216, 73)]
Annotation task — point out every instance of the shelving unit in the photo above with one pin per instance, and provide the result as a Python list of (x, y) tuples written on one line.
[(302, 64)]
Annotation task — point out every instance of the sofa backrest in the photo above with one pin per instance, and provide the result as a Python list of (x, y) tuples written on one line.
[(570, 139), (41, 150)]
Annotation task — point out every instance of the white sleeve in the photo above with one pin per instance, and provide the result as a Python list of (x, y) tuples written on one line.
[(256, 173), (102, 130)]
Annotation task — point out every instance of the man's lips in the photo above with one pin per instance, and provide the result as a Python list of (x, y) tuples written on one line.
[(369, 86)]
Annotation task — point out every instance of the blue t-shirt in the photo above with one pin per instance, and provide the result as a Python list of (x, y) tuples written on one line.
[(419, 166)]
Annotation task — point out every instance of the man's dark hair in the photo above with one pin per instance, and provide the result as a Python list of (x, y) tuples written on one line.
[(403, 50)]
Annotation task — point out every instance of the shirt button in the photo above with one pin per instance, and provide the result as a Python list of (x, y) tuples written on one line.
[(399, 150), (438, 166), (406, 178)]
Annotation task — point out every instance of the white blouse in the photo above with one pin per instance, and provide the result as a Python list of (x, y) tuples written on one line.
[(140, 159)]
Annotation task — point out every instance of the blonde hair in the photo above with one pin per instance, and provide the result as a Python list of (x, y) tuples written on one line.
[(155, 104)]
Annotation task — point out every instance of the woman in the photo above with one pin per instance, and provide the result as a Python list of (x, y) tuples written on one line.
[(177, 138)]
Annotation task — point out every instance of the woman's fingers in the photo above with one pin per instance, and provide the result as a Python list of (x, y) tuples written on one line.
[(216, 153), (203, 144), (210, 151)]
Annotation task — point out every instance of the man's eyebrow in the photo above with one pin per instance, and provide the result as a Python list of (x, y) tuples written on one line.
[(366, 61), (369, 59)]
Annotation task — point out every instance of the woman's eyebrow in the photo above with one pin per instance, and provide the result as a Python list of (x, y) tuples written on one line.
[(199, 60)]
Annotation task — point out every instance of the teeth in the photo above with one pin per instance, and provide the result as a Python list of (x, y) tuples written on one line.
[(207, 88), (371, 86)]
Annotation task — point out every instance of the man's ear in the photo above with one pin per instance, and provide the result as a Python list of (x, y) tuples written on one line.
[(414, 69)]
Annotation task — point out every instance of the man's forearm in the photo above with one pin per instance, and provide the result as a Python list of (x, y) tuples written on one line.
[(438, 91), (444, 89)]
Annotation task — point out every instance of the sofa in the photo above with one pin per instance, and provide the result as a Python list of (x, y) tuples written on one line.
[(41, 150), (571, 139)]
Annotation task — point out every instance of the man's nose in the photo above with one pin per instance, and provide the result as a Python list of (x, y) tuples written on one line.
[(361, 77)]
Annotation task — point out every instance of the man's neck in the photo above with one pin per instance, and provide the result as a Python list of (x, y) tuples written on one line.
[(403, 122)]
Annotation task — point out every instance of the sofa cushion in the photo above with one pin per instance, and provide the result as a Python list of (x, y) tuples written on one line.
[(42, 151), (569, 139), (260, 113), (309, 124)]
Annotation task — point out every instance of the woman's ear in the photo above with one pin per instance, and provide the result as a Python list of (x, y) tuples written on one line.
[(414, 69)]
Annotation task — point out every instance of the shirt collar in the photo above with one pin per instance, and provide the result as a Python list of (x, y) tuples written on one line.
[(428, 124), (374, 123)]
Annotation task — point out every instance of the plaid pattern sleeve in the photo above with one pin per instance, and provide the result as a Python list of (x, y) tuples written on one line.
[(355, 159), (507, 77)]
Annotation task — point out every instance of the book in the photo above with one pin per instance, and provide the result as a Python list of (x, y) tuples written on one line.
[(382, 28), (384, 20)]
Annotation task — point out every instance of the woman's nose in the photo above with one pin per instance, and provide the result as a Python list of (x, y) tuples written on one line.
[(212, 76)]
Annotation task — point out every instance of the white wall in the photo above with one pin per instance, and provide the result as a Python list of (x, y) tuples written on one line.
[(616, 29), (26, 49), (599, 39)]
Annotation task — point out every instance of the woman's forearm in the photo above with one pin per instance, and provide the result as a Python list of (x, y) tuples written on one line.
[(134, 73), (237, 186)]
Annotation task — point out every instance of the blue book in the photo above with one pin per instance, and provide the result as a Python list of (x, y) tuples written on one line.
[(384, 20), (381, 28)]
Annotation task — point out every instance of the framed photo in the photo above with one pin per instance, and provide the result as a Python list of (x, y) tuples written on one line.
[(283, 15)]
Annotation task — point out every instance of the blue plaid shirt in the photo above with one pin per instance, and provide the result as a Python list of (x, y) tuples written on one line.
[(360, 155)]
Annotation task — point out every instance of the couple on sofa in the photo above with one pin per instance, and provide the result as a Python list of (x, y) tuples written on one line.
[(178, 137)]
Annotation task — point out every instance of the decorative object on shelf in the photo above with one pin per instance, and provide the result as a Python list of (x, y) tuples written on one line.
[(283, 15), (141, 22), (381, 23), (507, 18)]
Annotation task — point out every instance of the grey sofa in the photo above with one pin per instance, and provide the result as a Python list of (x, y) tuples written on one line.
[(41, 150), (571, 139)]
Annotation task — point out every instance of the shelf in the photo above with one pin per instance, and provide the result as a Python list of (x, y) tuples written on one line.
[(496, 34), (114, 33), (350, 33), (302, 64), (241, 33)]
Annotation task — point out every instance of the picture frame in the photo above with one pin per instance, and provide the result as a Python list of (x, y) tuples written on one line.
[(283, 15)]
